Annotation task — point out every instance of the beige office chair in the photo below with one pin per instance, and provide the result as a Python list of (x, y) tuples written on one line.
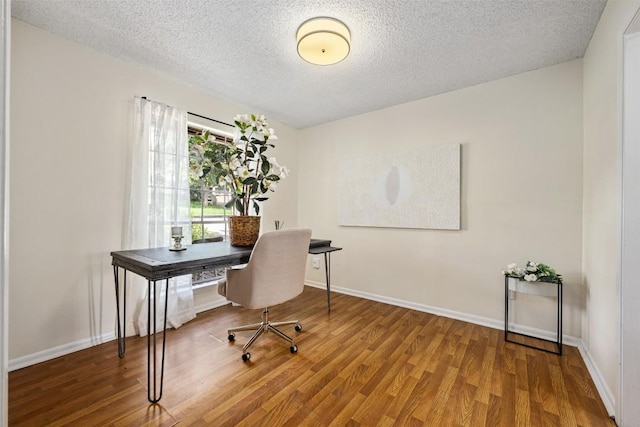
[(273, 275)]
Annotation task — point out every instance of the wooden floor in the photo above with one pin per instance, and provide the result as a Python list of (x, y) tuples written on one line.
[(364, 364)]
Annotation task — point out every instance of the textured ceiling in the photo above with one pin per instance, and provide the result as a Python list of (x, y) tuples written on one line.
[(401, 50)]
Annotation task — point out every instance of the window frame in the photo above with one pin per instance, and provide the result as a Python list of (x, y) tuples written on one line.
[(208, 278)]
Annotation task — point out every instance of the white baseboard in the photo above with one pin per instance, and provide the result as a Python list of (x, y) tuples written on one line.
[(471, 318), (61, 350), (605, 392), (211, 305), (601, 386)]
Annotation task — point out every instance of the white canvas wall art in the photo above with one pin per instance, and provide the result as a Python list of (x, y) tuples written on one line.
[(418, 188)]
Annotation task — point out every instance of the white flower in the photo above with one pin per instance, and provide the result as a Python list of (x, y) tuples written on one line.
[(234, 163), (198, 149), (242, 118), (269, 133), (530, 277), (196, 170), (531, 268), (271, 185), (243, 172), (512, 266), (275, 167)]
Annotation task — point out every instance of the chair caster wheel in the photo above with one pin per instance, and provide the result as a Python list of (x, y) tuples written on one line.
[(298, 327), (293, 349), (246, 357), (232, 336)]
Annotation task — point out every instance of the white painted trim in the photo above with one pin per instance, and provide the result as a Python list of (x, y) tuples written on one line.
[(471, 318), (61, 350), (629, 295), (601, 386), (605, 392), (5, 59), (211, 305)]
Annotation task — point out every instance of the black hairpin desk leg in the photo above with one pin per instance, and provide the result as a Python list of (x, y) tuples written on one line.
[(152, 346), (122, 333), (326, 250)]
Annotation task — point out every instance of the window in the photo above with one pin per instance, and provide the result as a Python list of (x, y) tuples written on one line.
[(208, 213)]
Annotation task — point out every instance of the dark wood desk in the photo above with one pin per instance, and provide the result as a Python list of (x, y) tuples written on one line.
[(159, 264)]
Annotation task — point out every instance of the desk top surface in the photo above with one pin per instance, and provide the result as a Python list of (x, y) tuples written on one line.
[(161, 263)]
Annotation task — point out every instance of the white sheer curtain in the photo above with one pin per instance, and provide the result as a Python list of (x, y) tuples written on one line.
[(159, 199)]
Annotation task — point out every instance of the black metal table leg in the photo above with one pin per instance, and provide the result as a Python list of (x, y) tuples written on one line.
[(557, 342), (327, 272), (506, 307), (560, 291), (157, 393), (121, 327), (326, 250)]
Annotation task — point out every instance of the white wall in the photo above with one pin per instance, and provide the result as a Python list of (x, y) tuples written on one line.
[(521, 142), (602, 190), (71, 117)]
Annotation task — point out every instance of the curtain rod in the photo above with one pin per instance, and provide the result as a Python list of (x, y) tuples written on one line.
[(198, 115)]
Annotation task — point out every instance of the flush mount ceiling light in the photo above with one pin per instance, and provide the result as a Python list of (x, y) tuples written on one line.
[(323, 41)]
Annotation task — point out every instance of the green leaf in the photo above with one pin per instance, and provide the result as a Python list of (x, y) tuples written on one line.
[(265, 166), (239, 207), (261, 199), (254, 187), (256, 207)]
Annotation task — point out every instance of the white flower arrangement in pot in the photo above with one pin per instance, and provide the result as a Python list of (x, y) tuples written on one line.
[(242, 165), (533, 272)]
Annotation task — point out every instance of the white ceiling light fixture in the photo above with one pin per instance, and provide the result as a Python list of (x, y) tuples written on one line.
[(323, 41)]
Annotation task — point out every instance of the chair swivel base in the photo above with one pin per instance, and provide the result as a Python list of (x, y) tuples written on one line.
[(263, 327)]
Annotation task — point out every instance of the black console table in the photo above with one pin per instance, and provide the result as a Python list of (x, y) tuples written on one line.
[(160, 264), (531, 285)]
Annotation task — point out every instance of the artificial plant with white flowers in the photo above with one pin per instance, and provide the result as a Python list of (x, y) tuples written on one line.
[(242, 165), (533, 272)]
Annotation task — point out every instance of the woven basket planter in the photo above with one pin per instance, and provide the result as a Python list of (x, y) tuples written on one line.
[(244, 230)]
